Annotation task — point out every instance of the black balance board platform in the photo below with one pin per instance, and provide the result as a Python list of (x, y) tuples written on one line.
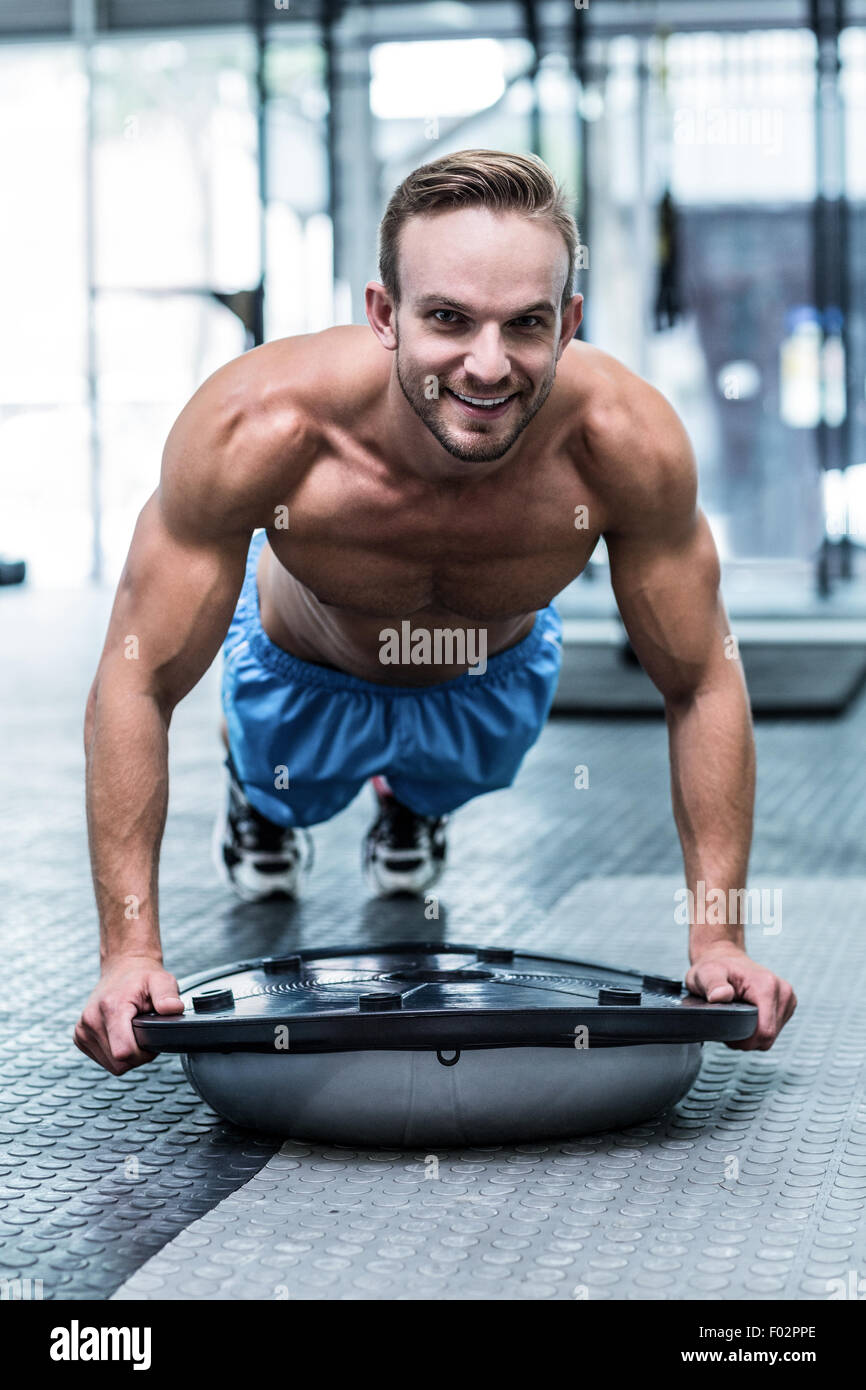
[(414, 1044)]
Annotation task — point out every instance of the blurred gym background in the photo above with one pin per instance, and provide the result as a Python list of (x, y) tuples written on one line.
[(186, 178)]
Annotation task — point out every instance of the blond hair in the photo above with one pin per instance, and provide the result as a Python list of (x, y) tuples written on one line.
[(476, 178)]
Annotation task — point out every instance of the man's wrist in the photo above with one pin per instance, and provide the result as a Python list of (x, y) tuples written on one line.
[(703, 940), (146, 948), (713, 907)]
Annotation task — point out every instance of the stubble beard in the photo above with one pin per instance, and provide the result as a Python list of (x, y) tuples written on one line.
[(430, 411)]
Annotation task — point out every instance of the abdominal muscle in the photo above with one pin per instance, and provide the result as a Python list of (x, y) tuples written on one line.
[(295, 620)]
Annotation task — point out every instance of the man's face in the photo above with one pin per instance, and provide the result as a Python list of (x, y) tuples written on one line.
[(478, 317)]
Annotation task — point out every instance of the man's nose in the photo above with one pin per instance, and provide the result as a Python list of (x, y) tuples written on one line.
[(487, 361)]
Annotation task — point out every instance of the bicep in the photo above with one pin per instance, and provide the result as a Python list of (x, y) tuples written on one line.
[(173, 606), (666, 582)]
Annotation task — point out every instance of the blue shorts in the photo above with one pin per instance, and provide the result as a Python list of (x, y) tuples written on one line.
[(305, 738)]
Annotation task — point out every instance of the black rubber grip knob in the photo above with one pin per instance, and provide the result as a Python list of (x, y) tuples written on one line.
[(376, 1003), (281, 965), (619, 996), (661, 984), (211, 1000)]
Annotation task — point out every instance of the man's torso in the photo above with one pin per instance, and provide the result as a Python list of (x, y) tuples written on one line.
[(358, 546)]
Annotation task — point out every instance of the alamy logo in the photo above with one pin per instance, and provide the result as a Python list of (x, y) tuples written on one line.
[(715, 907), (77, 1343), (23, 1289), (437, 646)]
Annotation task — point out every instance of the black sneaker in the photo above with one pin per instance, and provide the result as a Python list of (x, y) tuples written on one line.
[(403, 852), (255, 857)]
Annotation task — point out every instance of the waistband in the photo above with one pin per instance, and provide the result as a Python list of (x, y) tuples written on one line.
[(537, 641)]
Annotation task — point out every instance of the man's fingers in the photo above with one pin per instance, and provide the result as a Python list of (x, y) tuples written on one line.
[(87, 1041), (711, 980), (723, 979), (117, 1020), (130, 985), (775, 1006), (766, 996), (774, 999), (164, 993), (767, 1000)]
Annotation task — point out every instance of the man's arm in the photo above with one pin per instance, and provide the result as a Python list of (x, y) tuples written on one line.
[(173, 607), (665, 574)]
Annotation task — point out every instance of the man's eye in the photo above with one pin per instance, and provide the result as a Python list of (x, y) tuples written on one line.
[(524, 320)]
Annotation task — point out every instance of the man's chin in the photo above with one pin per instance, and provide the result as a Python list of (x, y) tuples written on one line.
[(480, 453), (477, 448), (474, 446)]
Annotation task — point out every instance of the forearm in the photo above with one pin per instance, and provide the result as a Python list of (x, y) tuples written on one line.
[(126, 742), (712, 756)]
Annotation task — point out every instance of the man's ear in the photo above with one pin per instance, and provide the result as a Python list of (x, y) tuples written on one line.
[(571, 321), (381, 314)]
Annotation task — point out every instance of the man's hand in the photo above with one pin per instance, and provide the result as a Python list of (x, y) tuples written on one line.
[(128, 985), (724, 972)]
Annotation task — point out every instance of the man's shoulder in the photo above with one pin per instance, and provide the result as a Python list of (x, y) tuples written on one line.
[(627, 438), (308, 376), (253, 428)]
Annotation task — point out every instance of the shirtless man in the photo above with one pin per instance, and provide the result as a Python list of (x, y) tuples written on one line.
[(391, 503)]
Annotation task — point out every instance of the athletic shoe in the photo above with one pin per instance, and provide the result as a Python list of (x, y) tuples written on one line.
[(255, 857), (403, 852)]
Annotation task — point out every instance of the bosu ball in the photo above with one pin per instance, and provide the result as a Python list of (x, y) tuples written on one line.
[(408, 1045)]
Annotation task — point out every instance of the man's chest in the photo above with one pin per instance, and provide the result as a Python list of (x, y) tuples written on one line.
[(491, 551)]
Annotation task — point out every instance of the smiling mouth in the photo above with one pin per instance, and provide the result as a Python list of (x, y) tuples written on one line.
[(482, 405)]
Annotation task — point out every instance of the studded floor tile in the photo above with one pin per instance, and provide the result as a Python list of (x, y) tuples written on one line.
[(753, 1186)]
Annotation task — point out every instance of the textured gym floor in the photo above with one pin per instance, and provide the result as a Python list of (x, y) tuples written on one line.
[(753, 1186)]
